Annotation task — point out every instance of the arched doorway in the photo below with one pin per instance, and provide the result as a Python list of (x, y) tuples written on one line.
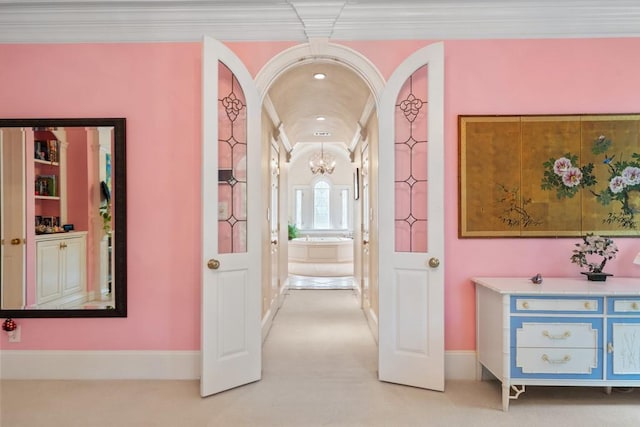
[(411, 344), (292, 98)]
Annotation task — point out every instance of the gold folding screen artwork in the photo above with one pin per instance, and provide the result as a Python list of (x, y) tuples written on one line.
[(549, 176)]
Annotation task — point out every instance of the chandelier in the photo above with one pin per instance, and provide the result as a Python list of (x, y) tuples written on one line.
[(319, 163)]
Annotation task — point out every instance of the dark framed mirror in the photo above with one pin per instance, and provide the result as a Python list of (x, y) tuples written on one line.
[(63, 217)]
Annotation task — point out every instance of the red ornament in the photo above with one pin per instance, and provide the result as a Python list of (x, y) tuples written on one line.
[(9, 325)]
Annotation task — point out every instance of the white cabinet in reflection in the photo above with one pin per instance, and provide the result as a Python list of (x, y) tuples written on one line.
[(61, 269)]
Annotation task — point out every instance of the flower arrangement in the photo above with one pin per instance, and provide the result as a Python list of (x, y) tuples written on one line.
[(594, 245), (566, 178)]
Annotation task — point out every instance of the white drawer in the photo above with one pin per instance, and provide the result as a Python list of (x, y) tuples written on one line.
[(629, 306), (586, 305), (547, 334), (556, 360)]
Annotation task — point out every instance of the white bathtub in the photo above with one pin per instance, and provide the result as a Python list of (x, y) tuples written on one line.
[(321, 256)]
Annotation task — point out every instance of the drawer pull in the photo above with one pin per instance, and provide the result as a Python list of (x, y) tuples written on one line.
[(525, 305), (564, 336), (565, 359), (610, 347), (587, 305), (634, 305)]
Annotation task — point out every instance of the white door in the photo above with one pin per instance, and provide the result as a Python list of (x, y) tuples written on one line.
[(12, 218), (411, 241), (48, 271), (274, 216), (365, 224), (231, 204), (75, 261)]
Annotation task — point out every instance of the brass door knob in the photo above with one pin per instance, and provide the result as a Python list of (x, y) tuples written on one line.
[(434, 262), (16, 241), (274, 242), (213, 264), (365, 242)]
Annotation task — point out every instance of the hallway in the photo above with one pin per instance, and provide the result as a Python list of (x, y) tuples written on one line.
[(319, 368)]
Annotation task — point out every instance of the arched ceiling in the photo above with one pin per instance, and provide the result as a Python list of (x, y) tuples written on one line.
[(299, 99)]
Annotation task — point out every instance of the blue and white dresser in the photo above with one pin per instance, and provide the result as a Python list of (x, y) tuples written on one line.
[(563, 332)]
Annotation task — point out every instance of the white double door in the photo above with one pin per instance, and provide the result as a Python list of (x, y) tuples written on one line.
[(411, 280)]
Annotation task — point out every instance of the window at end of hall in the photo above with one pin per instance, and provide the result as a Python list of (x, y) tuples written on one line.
[(322, 205)]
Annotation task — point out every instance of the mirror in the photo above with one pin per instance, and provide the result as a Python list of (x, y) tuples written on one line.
[(63, 224)]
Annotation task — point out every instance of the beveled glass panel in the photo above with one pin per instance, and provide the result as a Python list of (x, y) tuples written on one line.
[(232, 164), (224, 237), (240, 201), (411, 139)]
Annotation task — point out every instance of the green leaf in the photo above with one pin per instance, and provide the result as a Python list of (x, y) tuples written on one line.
[(600, 145)]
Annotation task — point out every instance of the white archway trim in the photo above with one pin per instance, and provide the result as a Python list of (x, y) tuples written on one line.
[(320, 50)]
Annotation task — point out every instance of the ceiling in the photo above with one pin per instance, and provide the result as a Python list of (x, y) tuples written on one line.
[(298, 20), (342, 98), (297, 99)]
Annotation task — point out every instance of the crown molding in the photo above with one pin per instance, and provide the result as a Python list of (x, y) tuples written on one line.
[(59, 21)]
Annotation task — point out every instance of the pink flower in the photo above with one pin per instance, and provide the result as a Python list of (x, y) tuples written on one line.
[(561, 166), (631, 175), (616, 185), (572, 177)]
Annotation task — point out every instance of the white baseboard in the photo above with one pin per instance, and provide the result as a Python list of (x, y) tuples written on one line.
[(267, 320), (99, 365), (372, 320), (152, 365), (460, 365)]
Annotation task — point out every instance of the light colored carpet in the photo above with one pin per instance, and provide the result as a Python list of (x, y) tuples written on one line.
[(319, 369)]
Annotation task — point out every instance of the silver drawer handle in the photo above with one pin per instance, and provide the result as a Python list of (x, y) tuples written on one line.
[(564, 336), (565, 359)]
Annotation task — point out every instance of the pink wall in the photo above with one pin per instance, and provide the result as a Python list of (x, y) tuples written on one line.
[(525, 77), (157, 88), (77, 179)]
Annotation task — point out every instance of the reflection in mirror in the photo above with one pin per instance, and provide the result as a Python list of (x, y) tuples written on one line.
[(63, 218)]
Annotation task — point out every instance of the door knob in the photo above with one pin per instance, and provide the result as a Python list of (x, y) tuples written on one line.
[(16, 241), (213, 264), (274, 242), (365, 242), (434, 262)]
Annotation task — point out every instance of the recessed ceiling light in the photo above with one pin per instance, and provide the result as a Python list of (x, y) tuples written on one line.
[(321, 118), (319, 76)]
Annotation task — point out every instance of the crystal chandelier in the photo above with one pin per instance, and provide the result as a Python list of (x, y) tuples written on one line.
[(321, 163)]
